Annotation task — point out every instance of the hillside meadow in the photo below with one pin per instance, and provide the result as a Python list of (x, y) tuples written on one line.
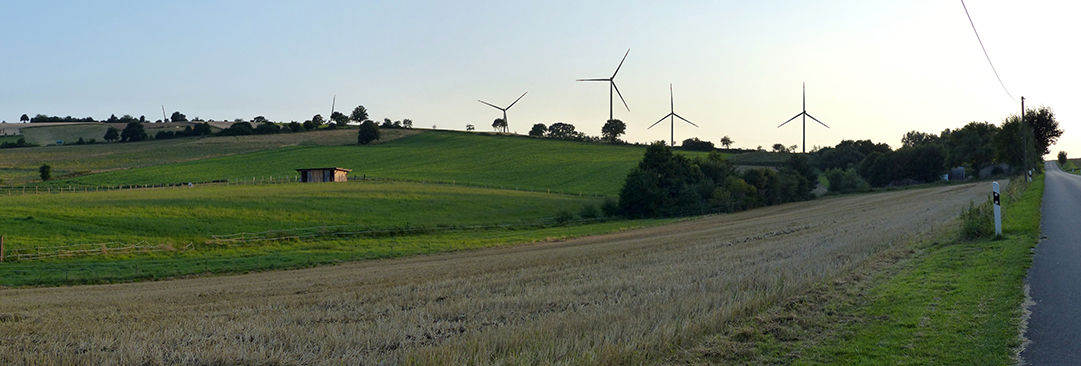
[(20, 165), (450, 157)]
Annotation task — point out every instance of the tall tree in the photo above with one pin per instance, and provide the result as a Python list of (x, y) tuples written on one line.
[(1044, 128), (360, 114), (407, 123), (612, 130), (24, 118), (317, 120), (726, 142), (178, 117), (971, 145)]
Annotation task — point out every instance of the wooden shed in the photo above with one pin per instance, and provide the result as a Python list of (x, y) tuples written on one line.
[(323, 174)]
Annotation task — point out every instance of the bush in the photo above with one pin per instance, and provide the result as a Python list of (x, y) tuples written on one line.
[(610, 207), (589, 211), (45, 171), (977, 221), (367, 133), (563, 216), (846, 181)]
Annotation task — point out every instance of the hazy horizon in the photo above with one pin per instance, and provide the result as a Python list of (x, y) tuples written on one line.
[(874, 70)]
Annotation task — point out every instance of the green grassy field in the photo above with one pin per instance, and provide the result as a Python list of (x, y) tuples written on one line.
[(496, 161), (180, 215), (48, 135), (20, 166), (420, 218), (10, 138)]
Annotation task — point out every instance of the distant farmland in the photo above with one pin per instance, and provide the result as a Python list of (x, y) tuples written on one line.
[(511, 162), (19, 166)]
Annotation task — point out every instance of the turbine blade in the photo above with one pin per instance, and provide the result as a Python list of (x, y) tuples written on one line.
[(593, 80), (621, 63), (490, 104), (516, 100), (621, 96), (659, 121), (685, 120), (816, 120), (790, 119)]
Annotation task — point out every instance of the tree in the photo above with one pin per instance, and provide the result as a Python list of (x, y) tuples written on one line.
[(202, 129), (971, 145), (697, 145), (359, 115), (564, 131), (1007, 143), (308, 125), (726, 142), (368, 132), (112, 134), (499, 124), (317, 120), (1044, 128), (407, 123), (178, 117), (133, 132), (259, 119), (538, 130), (779, 148), (917, 138), (1061, 158), (339, 118), (612, 130), (267, 128), (469, 127), (45, 171), (295, 127), (24, 118)]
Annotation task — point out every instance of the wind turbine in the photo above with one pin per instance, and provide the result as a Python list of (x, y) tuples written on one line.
[(503, 109), (805, 115), (672, 117), (612, 86)]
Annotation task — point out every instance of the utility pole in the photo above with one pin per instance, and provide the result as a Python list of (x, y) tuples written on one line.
[(1024, 138)]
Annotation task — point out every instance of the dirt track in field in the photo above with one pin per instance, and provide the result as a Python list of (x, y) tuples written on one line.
[(611, 298)]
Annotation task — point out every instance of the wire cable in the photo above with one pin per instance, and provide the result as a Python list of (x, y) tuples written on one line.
[(985, 52)]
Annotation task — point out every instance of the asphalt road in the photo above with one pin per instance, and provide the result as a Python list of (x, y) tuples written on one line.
[(1054, 328)]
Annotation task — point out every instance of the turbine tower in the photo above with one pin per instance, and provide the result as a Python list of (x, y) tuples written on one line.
[(612, 86), (805, 115), (503, 109), (672, 117)]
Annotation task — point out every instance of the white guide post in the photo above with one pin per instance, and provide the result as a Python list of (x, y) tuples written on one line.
[(998, 209)]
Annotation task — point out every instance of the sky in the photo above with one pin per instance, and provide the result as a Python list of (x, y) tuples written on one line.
[(873, 69)]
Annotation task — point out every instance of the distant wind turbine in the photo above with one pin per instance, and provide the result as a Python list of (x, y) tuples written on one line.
[(505, 123), (612, 86), (805, 115), (672, 116)]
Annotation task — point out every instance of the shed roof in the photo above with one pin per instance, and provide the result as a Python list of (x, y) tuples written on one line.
[(335, 168)]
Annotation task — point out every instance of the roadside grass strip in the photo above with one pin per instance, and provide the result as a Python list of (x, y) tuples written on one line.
[(937, 300)]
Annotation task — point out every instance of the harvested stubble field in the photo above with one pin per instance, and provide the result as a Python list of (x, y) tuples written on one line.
[(627, 297)]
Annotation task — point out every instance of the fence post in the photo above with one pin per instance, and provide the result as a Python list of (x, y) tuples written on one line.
[(998, 209), (1, 249)]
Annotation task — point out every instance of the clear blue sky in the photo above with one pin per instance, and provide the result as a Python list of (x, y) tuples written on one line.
[(874, 69)]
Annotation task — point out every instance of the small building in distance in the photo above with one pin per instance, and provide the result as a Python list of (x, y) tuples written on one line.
[(311, 175)]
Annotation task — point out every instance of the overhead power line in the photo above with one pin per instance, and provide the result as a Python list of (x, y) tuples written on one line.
[(985, 52)]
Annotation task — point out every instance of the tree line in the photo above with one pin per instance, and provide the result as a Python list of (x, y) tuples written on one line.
[(665, 184), (854, 165)]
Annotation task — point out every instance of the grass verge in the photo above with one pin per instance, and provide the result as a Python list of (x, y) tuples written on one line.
[(935, 301)]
